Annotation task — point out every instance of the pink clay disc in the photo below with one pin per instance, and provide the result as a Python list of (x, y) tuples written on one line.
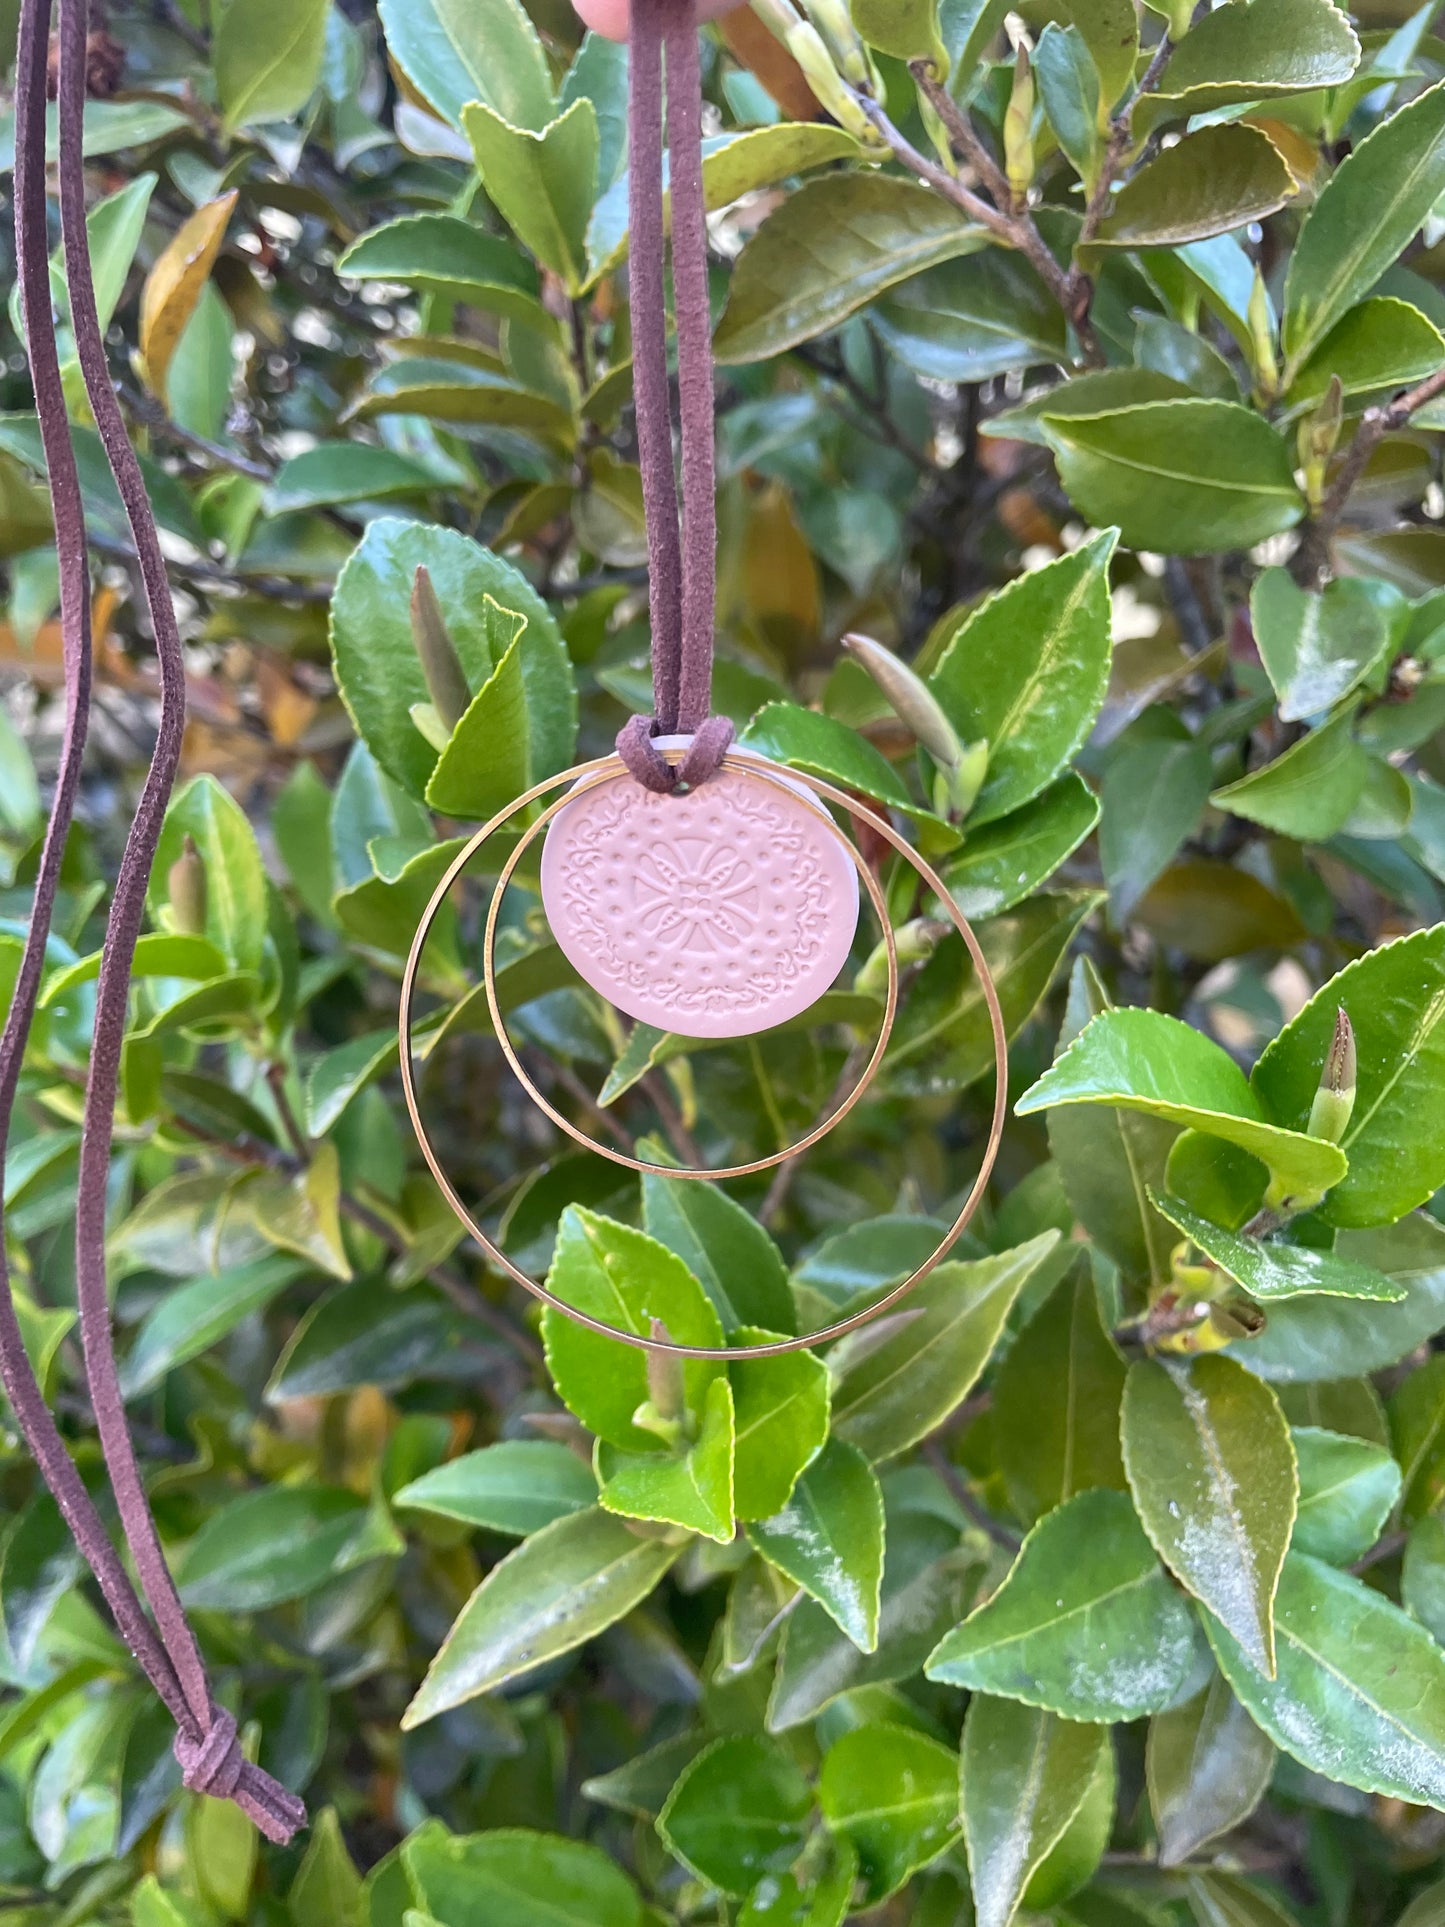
[(717, 913)]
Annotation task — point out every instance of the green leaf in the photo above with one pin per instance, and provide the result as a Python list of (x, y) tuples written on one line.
[(1348, 1489), (1068, 86), (40, 1564), (1207, 1767), (620, 1275), (1110, 29), (335, 472), (272, 1545), (895, 1393), (893, 1794), (1417, 1420), (782, 1422), (1315, 648), (1108, 1163), (1360, 1695), (554, 1592), (327, 1889), (235, 876), (364, 1334), (907, 29), (1270, 1269), (943, 1040), (1224, 1900), (1362, 219), (738, 1813), (1211, 182), (517, 1486), (640, 1786), (1100, 392), (828, 1539), (830, 248), (1380, 343), (1327, 1338), (541, 183), (1310, 791), (1026, 1775), (442, 254), (734, 164), (511, 1877), (454, 52), (376, 661), (725, 1249), (925, 1580), (1422, 1576), (1153, 796), (692, 1489), (268, 58), (1181, 477), (1006, 860), (1145, 1061), (461, 394), (1027, 670), (193, 1317), (1212, 1469), (783, 1900), (488, 759), (972, 319), (1395, 1139), (1255, 50), (1056, 1403), (1085, 1625), (804, 739)]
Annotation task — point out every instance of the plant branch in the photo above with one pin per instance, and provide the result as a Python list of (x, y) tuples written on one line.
[(1312, 559), (961, 1490), (150, 412)]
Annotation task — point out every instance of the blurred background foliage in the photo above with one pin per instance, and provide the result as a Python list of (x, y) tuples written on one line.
[(1059, 361)]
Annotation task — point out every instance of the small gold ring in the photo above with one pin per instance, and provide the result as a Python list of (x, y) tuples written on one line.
[(604, 768)]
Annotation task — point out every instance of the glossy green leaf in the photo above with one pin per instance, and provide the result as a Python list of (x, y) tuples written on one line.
[(1315, 647), (831, 247), (1027, 670), (972, 318), (1348, 1489), (1056, 1403), (1417, 1438), (907, 29), (327, 1889), (1395, 1139), (275, 1544), (453, 53), (541, 183), (1099, 392), (334, 472), (558, 1589), (1257, 50), (1207, 1767), (442, 254), (1212, 1469), (1153, 797), (235, 893), (1368, 210), (1068, 89), (725, 1249), (1208, 183), (1380, 343), (734, 163), (518, 1878), (1144, 1061), (1271, 1269), (1086, 1624), (363, 1335), (1026, 1774), (738, 1813), (377, 665), (489, 758), (268, 58), (897, 1392), (828, 1539), (893, 1794), (1224, 1900), (193, 1317), (691, 1488), (517, 1486), (782, 1421), (1182, 477), (1310, 791), (1360, 1694), (943, 1040), (1003, 861), (40, 1564), (782, 1900), (824, 747), (1422, 1574), (1327, 1338)]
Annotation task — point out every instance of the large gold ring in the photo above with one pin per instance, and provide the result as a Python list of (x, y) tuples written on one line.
[(610, 768)]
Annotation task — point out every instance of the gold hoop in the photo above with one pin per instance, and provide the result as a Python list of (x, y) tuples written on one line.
[(590, 775), (715, 1173)]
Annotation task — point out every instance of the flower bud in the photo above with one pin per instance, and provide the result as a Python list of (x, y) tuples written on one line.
[(810, 50), (914, 942), (910, 698), (1335, 1098), (450, 693), (1316, 436), (835, 23), (186, 887), (1018, 129), (1261, 336)]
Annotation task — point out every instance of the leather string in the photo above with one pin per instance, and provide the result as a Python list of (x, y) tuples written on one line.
[(206, 1744), (682, 554)]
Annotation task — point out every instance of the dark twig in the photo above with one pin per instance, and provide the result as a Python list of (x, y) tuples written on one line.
[(1312, 559), (961, 1490), (148, 410)]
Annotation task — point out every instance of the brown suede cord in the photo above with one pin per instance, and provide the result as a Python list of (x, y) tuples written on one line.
[(682, 560), (206, 1744)]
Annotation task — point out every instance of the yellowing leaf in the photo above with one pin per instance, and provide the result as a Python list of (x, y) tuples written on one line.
[(173, 287)]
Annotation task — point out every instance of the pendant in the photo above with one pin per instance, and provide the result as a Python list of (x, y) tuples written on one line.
[(718, 912)]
